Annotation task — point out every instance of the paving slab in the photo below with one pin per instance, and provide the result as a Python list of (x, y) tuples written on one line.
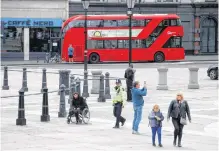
[(201, 134)]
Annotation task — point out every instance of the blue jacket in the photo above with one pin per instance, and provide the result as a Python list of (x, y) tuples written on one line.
[(137, 96), (70, 50), (153, 121)]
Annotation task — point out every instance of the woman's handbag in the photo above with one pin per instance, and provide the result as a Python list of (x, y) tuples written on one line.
[(183, 121)]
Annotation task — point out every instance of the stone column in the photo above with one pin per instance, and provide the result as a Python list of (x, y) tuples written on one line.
[(64, 79), (193, 78), (72, 89), (78, 85), (101, 89), (72, 78), (197, 34), (62, 106), (26, 44), (162, 83), (95, 82), (107, 86)]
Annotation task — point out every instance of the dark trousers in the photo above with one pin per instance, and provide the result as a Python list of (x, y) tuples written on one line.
[(77, 112), (178, 128), (117, 113), (154, 131), (129, 84)]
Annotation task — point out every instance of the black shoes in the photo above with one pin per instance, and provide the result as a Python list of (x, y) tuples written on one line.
[(174, 143), (179, 145), (160, 145), (123, 122), (116, 127)]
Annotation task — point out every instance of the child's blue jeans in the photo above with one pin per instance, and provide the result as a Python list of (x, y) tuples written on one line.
[(154, 131)]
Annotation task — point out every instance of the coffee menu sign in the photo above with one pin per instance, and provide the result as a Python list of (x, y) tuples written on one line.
[(31, 22)]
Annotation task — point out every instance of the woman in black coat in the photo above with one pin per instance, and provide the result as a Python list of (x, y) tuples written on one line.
[(177, 110)]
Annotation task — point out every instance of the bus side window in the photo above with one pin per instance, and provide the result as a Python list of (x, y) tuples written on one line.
[(173, 42), (123, 23), (95, 23), (110, 23)]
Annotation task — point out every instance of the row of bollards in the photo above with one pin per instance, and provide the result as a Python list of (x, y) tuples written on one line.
[(5, 80), (45, 117), (193, 79), (21, 120)]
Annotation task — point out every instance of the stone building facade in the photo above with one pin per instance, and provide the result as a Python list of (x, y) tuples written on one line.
[(199, 18)]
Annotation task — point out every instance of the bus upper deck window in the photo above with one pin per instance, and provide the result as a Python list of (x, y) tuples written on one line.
[(175, 22), (179, 22)]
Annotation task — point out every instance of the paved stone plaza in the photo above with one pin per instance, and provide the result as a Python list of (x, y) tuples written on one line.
[(201, 134)]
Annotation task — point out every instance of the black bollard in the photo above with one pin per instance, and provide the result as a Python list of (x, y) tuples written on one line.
[(5, 81), (45, 108), (72, 89), (44, 81), (62, 107), (21, 110), (85, 86), (78, 85), (107, 86), (24, 83), (101, 91)]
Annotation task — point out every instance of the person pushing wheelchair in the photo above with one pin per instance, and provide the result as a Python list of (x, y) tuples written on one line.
[(78, 104)]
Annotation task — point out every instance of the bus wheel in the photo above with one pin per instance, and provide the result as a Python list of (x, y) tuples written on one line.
[(94, 58), (159, 57)]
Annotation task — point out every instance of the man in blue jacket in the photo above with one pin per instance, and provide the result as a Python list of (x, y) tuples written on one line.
[(138, 103)]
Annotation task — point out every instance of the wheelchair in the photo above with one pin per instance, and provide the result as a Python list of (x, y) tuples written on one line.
[(84, 116)]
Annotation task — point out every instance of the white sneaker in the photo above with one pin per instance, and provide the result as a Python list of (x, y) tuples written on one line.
[(135, 132)]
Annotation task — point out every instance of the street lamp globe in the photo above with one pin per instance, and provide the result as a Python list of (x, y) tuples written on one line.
[(130, 4), (85, 3)]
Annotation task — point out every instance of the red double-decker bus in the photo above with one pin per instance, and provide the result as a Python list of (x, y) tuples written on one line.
[(156, 37)]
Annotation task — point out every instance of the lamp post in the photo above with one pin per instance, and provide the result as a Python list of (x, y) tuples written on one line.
[(85, 85), (130, 5)]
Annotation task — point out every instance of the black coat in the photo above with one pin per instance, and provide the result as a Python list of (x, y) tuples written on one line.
[(129, 74), (174, 110), (79, 103)]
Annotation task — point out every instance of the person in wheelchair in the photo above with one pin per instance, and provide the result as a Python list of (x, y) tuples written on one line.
[(78, 104)]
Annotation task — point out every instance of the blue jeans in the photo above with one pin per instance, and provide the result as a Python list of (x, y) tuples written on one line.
[(137, 117), (154, 131)]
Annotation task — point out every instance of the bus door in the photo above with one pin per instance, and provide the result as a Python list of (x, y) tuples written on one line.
[(78, 53)]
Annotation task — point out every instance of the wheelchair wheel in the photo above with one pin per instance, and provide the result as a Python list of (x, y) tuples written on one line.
[(85, 116), (68, 120)]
